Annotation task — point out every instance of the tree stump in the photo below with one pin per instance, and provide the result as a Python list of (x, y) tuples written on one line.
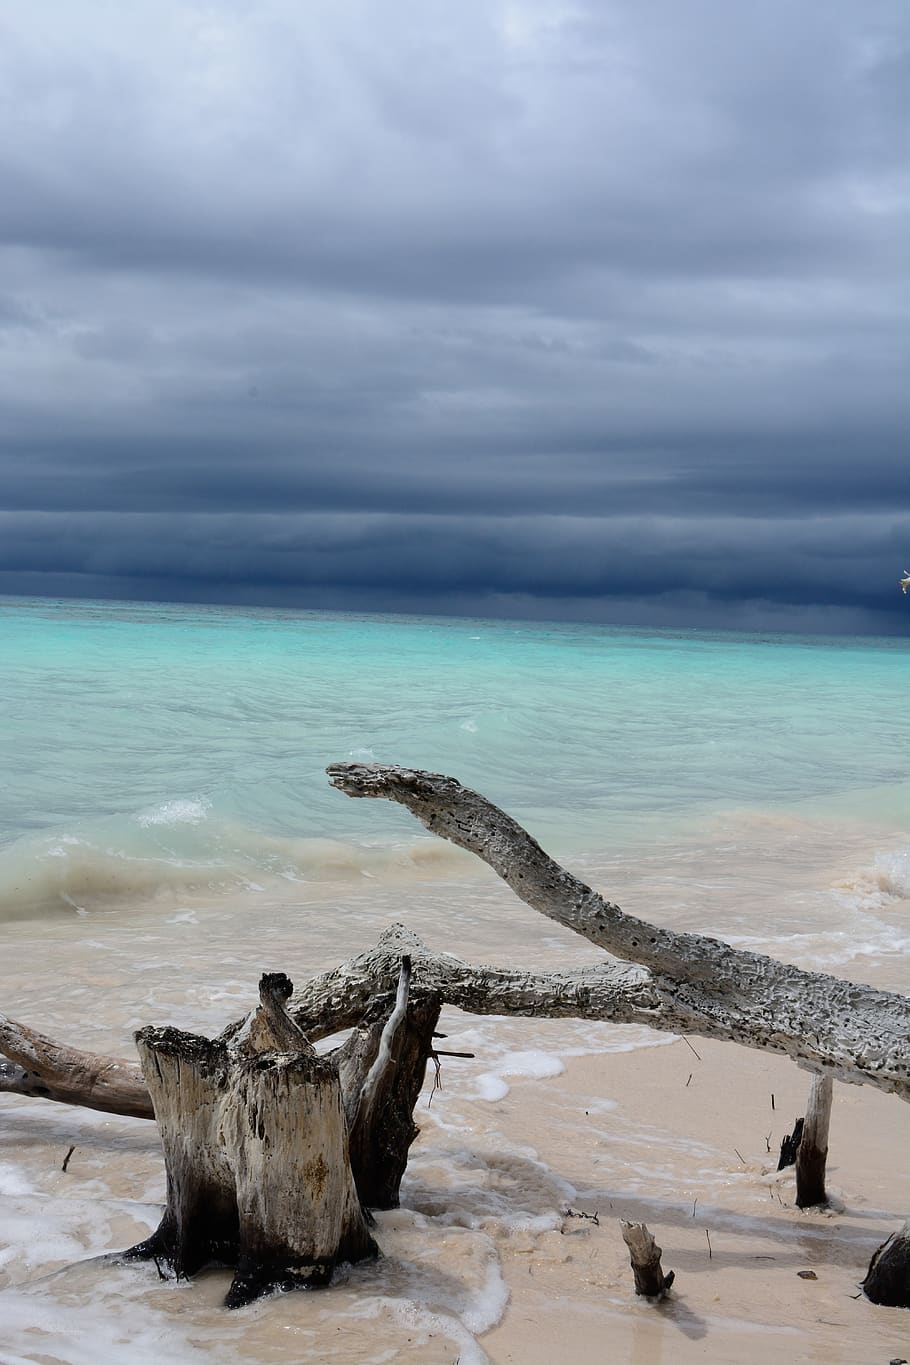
[(256, 1152)]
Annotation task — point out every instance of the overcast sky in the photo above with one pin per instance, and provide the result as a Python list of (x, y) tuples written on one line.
[(591, 310)]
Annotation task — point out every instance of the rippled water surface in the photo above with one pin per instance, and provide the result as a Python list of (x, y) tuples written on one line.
[(184, 745)]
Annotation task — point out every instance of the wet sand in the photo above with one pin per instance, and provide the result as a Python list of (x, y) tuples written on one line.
[(482, 1262)]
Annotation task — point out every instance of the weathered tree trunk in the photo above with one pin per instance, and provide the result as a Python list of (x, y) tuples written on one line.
[(888, 1277), (256, 1154), (812, 1153), (645, 1254)]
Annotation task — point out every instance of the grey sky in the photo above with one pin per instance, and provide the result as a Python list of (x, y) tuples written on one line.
[(592, 309)]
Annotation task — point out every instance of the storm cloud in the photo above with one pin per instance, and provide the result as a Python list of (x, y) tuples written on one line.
[(585, 310)]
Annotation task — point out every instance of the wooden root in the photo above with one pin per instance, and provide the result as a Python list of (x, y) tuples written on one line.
[(806, 1147), (645, 1254), (888, 1277)]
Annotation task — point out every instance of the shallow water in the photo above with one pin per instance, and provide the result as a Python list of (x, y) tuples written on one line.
[(186, 747), (169, 835)]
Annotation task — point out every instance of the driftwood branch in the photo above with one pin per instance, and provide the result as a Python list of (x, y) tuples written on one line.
[(683, 983), (50, 1070), (702, 985), (239, 1113), (340, 999)]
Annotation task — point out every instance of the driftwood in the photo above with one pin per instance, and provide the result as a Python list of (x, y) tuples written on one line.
[(812, 1154), (255, 1127), (40, 1067), (806, 1147), (255, 1149), (697, 984), (676, 982), (645, 1254), (789, 1145), (680, 983)]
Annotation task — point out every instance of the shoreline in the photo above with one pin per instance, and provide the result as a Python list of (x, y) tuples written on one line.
[(480, 1263), (481, 1251)]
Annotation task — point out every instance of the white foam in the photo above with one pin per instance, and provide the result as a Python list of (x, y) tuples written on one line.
[(97, 1332), (179, 812), (13, 1181), (491, 1087), (533, 1064)]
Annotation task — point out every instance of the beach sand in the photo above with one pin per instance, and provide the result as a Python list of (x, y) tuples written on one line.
[(482, 1262)]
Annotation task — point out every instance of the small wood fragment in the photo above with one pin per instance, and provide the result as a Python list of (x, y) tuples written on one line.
[(789, 1145)]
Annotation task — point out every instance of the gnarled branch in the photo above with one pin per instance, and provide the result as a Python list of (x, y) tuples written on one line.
[(856, 1033), (683, 983)]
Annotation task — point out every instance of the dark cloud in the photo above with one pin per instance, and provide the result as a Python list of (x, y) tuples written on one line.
[(527, 308)]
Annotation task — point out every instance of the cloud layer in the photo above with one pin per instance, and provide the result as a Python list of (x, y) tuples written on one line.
[(536, 308)]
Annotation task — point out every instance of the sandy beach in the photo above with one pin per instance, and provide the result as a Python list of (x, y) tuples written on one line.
[(483, 1261)]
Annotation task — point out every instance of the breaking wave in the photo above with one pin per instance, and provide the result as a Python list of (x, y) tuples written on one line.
[(183, 847), (887, 880)]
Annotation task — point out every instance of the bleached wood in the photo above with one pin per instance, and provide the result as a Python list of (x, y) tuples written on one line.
[(47, 1069), (684, 983), (702, 985), (338, 999), (256, 1155), (384, 1058), (380, 1099)]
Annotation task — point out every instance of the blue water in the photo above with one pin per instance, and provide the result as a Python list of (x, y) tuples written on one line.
[(150, 737)]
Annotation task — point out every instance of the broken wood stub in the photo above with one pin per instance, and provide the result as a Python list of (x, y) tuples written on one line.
[(812, 1153), (789, 1145), (256, 1153), (382, 1067), (645, 1254), (888, 1278)]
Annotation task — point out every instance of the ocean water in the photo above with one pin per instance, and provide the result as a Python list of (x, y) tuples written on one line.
[(167, 833), (150, 747)]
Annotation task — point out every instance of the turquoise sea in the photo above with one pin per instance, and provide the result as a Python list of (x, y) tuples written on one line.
[(167, 833), (163, 745)]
